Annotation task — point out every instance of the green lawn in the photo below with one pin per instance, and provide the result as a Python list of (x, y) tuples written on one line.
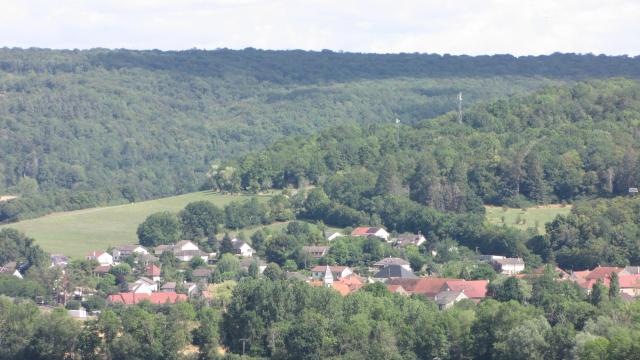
[(536, 216), (75, 233)]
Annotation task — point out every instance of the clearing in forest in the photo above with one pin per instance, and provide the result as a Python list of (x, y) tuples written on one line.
[(523, 219)]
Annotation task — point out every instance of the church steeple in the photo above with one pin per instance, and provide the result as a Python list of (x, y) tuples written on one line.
[(328, 277)]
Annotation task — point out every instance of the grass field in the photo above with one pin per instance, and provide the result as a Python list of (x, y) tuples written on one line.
[(75, 233), (525, 218)]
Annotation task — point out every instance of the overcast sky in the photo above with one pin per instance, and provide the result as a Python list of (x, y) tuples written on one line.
[(455, 27)]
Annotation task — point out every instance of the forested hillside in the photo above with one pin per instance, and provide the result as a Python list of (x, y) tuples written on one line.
[(558, 144), (561, 144), (83, 128)]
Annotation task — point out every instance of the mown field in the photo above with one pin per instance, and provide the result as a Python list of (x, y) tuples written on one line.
[(525, 218), (75, 233)]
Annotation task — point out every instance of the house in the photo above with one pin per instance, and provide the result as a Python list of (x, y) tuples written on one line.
[(333, 236), (59, 260), (143, 285), (508, 266), (406, 239), (168, 287), (392, 261), (121, 252), (242, 248), (371, 231), (101, 257), (201, 274), (245, 263), (10, 268), (629, 284), (475, 290), (159, 298), (587, 278), (344, 285), (315, 252), (338, 272), (425, 286), (183, 250), (153, 272), (78, 314), (446, 299), (602, 272), (188, 255), (394, 271)]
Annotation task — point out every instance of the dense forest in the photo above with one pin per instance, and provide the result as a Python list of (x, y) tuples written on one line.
[(84, 128), (559, 144)]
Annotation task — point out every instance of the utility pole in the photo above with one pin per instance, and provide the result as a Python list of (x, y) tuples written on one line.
[(397, 131), (460, 108), (243, 342)]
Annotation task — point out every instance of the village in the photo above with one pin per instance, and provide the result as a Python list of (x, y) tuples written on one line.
[(146, 283)]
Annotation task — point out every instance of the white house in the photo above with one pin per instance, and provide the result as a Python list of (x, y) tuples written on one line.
[(338, 272), (183, 250), (242, 248), (447, 299), (334, 236), (187, 255), (122, 251), (508, 266), (371, 231), (143, 285), (103, 258), (404, 240)]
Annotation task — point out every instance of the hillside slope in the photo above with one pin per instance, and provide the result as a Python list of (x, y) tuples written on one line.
[(85, 128)]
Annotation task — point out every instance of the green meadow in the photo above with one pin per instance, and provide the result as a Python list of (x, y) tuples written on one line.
[(523, 219), (75, 233)]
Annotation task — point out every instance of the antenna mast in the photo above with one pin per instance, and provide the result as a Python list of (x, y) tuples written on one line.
[(460, 108)]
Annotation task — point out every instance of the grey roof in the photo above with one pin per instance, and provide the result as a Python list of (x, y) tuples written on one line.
[(394, 271), (238, 244), (447, 297), (633, 270), (510, 261), (391, 261)]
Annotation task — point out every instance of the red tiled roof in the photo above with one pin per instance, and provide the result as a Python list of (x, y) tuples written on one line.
[(155, 298), (629, 281), (475, 289), (428, 286), (602, 272), (153, 270), (95, 253), (359, 231)]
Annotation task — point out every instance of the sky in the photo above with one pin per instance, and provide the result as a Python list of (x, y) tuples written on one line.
[(471, 27)]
